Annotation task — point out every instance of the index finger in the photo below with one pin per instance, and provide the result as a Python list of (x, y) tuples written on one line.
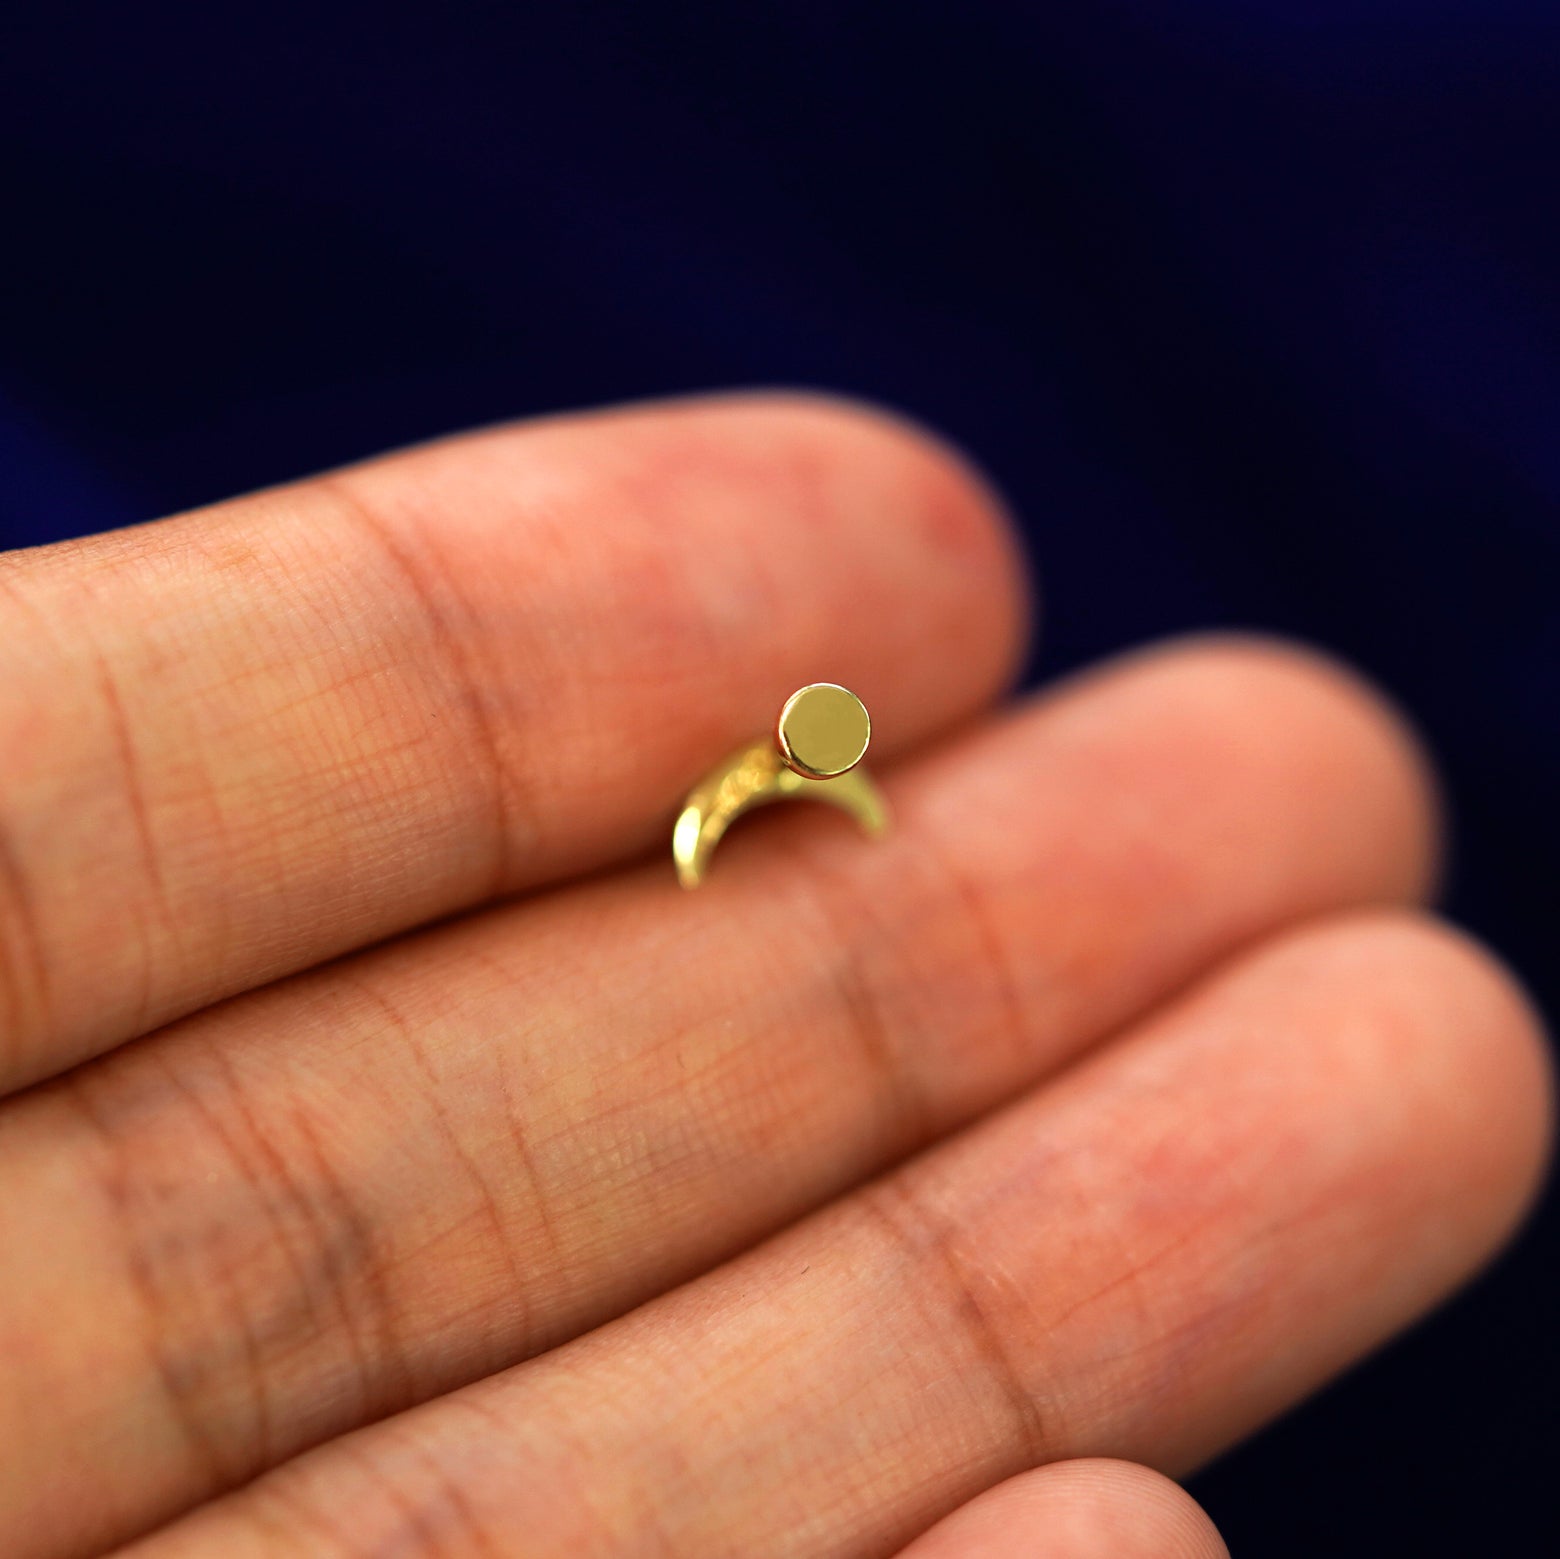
[(248, 739)]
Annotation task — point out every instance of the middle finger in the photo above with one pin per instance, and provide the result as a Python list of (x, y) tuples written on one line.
[(350, 1192)]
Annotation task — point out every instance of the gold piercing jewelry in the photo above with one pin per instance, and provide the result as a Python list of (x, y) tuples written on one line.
[(819, 738)]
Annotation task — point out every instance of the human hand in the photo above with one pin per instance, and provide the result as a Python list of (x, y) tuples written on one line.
[(1109, 1105)]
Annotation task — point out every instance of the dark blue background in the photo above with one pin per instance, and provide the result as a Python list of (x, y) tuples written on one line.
[(1253, 309)]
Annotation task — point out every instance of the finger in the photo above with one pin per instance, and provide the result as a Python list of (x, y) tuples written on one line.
[(1144, 1260), (1087, 1509), (245, 740), (305, 1210)]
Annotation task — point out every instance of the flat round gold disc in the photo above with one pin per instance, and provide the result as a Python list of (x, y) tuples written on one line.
[(823, 730)]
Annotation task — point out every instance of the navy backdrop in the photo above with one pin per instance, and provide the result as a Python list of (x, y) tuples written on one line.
[(1253, 308)]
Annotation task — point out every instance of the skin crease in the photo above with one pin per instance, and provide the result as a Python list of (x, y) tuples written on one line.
[(1204, 1113)]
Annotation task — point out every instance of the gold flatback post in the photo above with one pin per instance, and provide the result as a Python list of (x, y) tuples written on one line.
[(820, 737)]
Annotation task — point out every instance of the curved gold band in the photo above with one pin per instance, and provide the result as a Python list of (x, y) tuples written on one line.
[(759, 774)]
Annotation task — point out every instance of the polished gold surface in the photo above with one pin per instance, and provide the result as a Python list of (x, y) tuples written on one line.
[(819, 739), (823, 730)]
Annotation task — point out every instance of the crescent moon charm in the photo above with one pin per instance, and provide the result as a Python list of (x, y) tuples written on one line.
[(819, 738)]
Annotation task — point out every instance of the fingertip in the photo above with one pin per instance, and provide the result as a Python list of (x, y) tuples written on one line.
[(1329, 729), (1495, 1110), (945, 497), (1437, 1033), (1091, 1508)]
